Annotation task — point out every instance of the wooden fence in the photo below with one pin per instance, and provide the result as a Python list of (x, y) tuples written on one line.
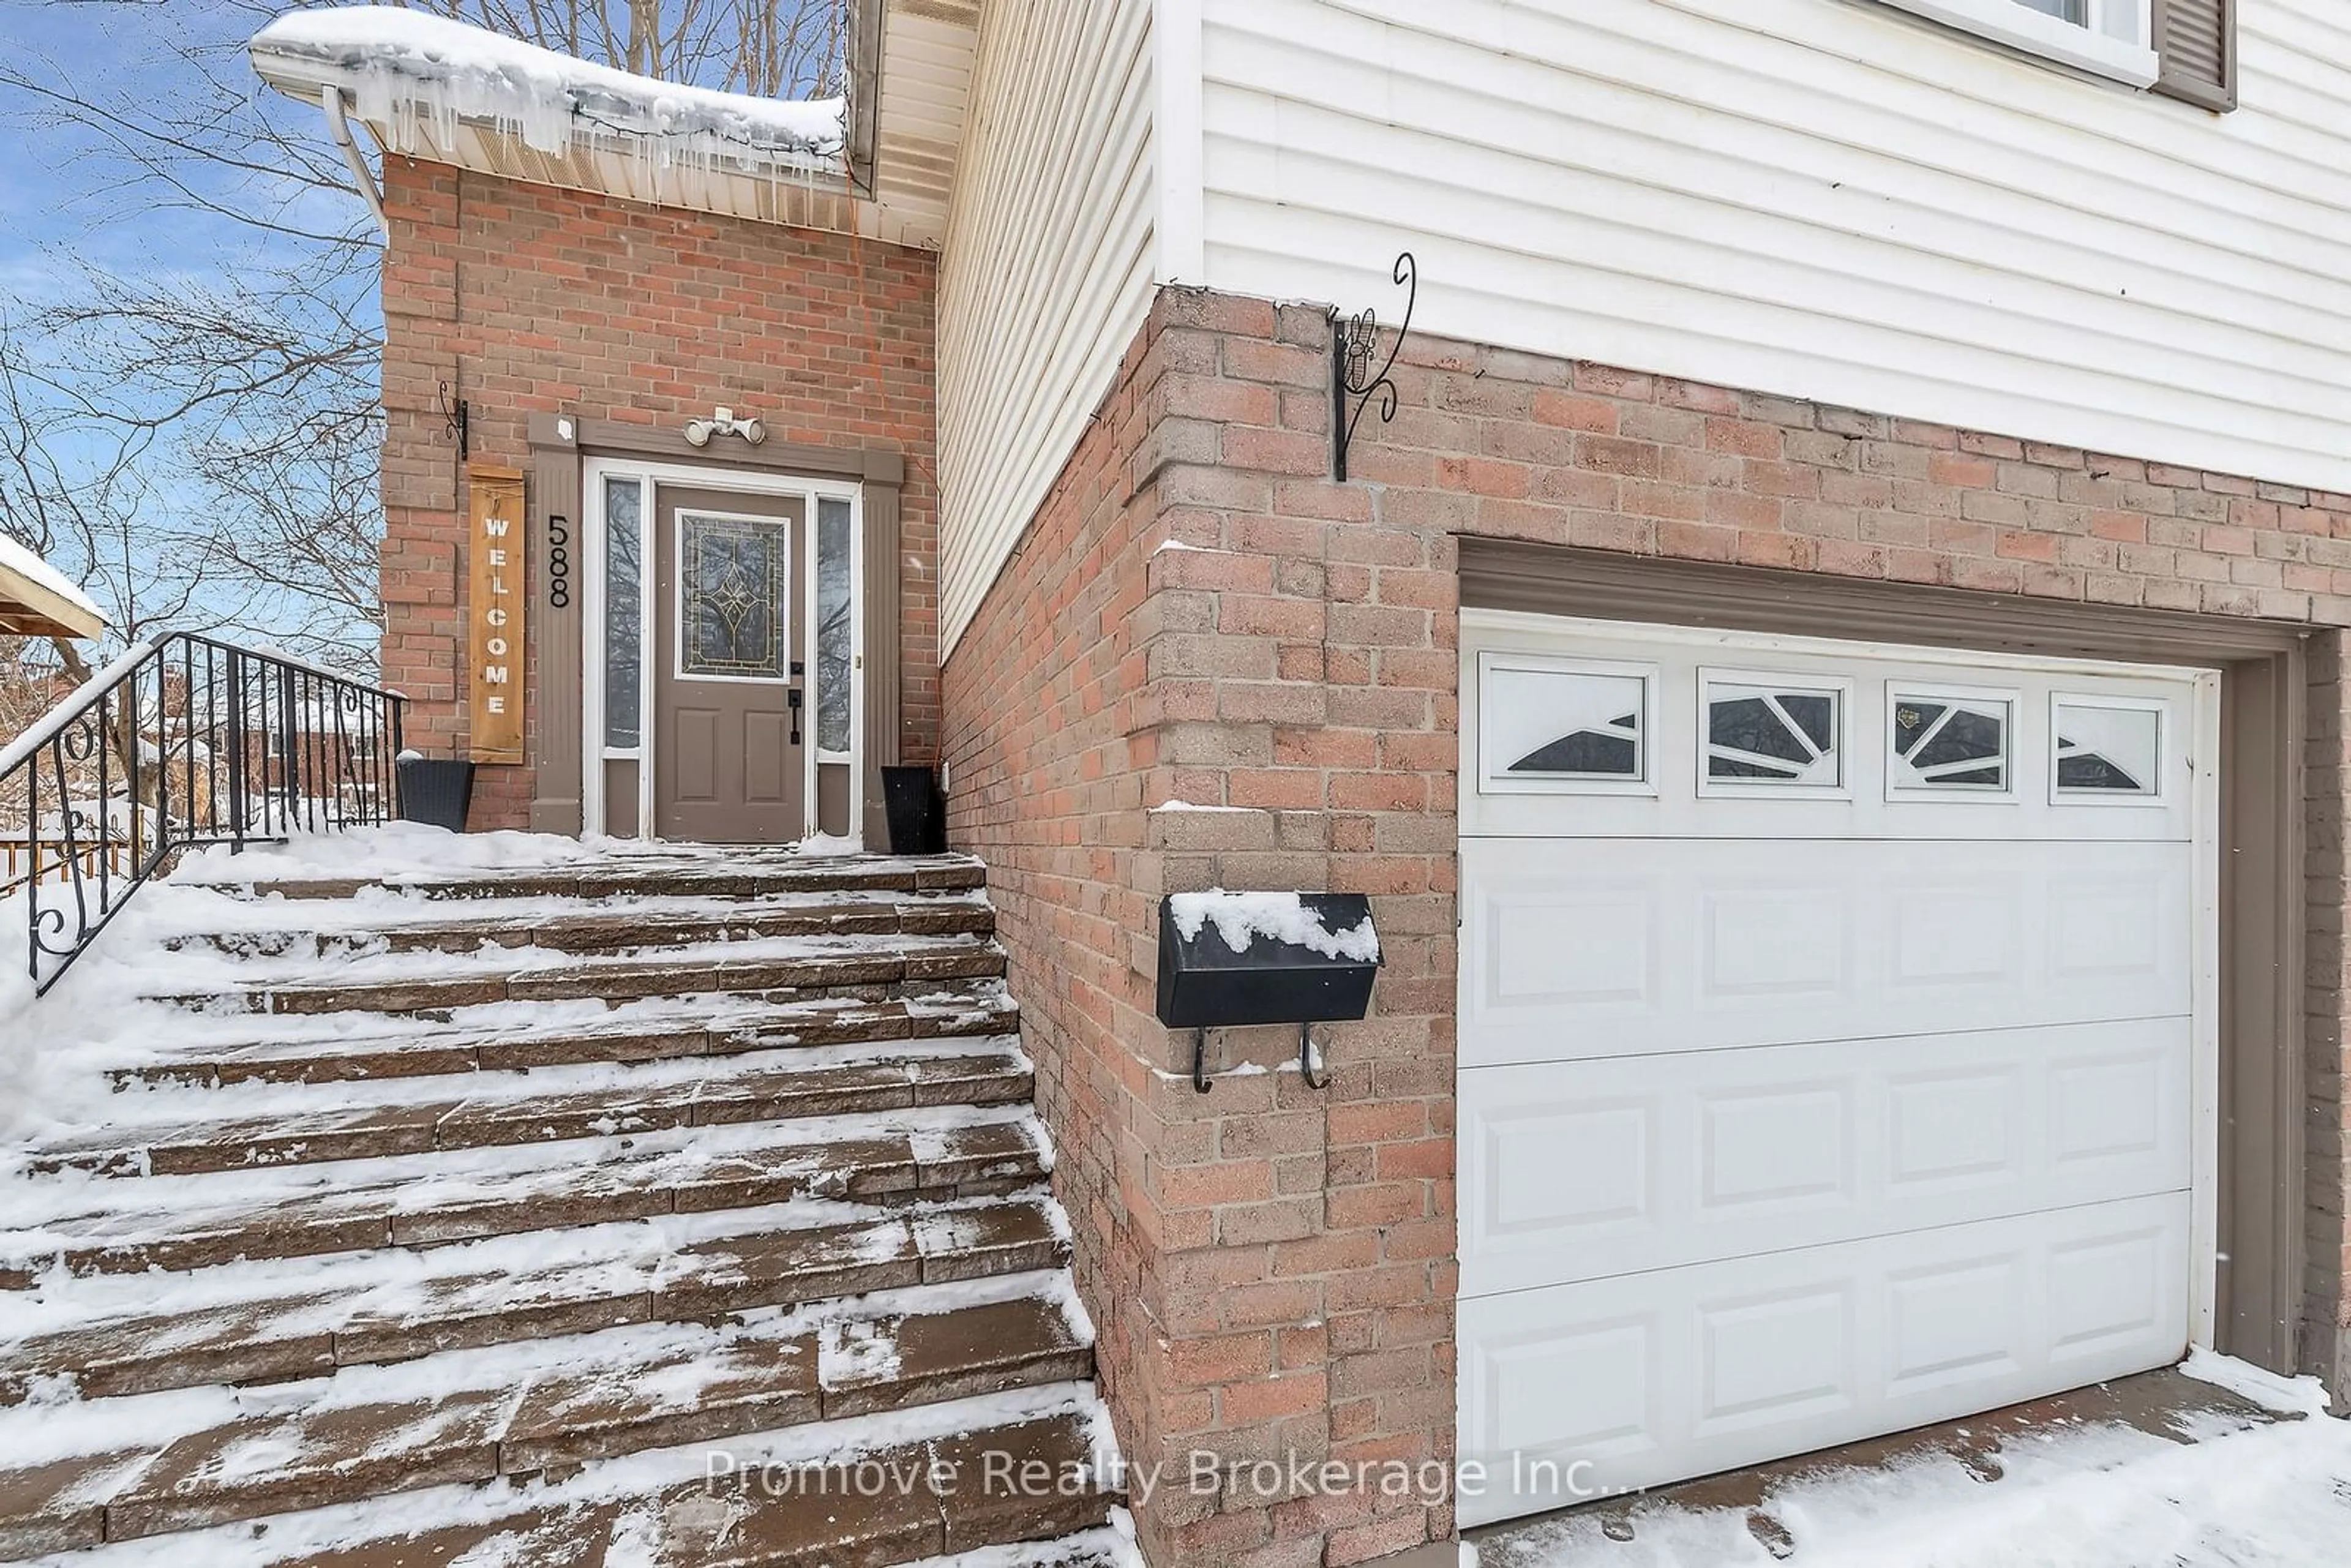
[(23, 861)]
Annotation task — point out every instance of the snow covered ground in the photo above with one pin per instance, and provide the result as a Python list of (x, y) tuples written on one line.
[(2092, 1496)]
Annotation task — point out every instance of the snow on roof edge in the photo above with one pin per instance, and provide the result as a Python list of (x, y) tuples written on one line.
[(451, 70), (19, 560)]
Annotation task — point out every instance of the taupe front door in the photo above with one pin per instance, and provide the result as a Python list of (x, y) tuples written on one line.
[(729, 655)]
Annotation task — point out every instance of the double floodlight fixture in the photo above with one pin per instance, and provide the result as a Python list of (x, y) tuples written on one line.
[(722, 421)]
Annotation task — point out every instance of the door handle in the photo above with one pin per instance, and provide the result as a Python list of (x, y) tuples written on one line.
[(792, 700)]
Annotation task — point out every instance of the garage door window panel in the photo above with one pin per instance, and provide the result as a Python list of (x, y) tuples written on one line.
[(2105, 751), (1771, 734), (1950, 743), (1564, 726)]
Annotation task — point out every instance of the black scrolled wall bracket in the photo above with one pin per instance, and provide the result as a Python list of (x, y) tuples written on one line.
[(1310, 1059), (1354, 339), (456, 420)]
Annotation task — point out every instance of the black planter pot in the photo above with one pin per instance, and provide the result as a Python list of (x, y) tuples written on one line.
[(918, 817), (436, 790)]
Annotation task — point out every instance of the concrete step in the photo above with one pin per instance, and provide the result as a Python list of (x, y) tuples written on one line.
[(417, 924), (523, 1410), (481, 1216), (758, 1534), (513, 1036), (96, 1227), (729, 872), (416, 1487), (321, 1123), (783, 969), (254, 1324)]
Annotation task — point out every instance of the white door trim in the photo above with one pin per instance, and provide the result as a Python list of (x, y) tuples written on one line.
[(594, 473), (2204, 1012)]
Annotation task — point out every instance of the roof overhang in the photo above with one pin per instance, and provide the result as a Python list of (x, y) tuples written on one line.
[(433, 89), (865, 52), (36, 601), (913, 107)]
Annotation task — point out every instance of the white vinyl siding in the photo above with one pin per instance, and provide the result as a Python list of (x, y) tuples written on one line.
[(1816, 199), (1046, 270)]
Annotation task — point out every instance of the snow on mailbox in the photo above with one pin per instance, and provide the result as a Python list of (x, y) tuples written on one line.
[(1229, 958)]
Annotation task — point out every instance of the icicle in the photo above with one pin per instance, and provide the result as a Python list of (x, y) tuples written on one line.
[(411, 70)]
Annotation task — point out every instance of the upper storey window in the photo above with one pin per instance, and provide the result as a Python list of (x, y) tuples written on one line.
[(2110, 37), (2186, 48)]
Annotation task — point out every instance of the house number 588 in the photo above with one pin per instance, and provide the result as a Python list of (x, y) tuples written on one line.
[(559, 560)]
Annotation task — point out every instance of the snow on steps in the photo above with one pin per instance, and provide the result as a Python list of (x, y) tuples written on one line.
[(662, 1507), (259, 1124), (211, 1456), (81, 1225), (683, 1526), (564, 1173), (274, 1320), (507, 1036), (411, 923), (597, 871), (422, 982)]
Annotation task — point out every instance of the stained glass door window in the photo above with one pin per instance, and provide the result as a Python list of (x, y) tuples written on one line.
[(734, 579)]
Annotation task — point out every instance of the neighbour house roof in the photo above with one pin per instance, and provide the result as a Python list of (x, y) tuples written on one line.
[(36, 600), (443, 90)]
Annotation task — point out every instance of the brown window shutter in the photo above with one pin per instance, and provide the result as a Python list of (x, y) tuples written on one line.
[(2197, 42)]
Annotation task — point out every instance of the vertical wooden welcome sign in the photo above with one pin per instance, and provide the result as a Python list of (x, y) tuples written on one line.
[(495, 612)]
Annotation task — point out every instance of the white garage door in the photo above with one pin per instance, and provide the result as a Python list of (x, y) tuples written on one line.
[(1835, 1048)]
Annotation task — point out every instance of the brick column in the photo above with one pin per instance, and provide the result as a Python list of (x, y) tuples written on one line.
[(1199, 619), (424, 569)]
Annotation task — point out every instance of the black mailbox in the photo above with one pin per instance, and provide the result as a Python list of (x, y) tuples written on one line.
[(1230, 959)]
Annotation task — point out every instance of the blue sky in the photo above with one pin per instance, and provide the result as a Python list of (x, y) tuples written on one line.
[(54, 195), (131, 48), (58, 195), (70, 201)]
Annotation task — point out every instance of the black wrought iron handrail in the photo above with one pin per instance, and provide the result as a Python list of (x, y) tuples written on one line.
[(183, 743)]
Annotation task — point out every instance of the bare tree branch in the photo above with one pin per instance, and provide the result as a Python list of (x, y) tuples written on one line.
[(197, 439)]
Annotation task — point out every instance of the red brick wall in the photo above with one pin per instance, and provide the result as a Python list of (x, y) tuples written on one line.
[(525, 298), (1269, 1265), (1047, 780), (1272, 1266)]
